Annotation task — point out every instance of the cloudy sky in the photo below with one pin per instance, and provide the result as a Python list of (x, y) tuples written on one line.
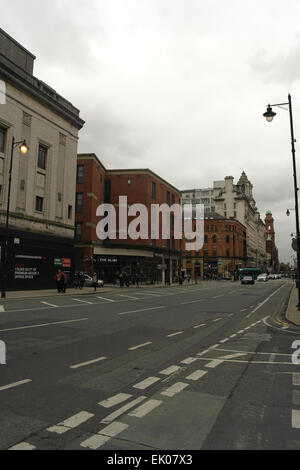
[(178, 86)]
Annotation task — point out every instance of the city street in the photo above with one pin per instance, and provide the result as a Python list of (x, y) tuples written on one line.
[(203, 366)]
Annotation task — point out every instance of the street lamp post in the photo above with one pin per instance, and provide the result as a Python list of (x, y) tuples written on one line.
[(269, 115), (4, 256)]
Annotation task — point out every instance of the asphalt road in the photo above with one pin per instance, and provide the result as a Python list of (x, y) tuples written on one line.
[(191, 367)]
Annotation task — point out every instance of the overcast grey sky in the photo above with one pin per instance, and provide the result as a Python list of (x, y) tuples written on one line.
[(178, 86)]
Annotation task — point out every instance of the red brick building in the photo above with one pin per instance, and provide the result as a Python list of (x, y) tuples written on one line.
[(97, 185), (224, 250)]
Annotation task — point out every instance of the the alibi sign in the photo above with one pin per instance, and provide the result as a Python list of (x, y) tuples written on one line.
[(2, 353)]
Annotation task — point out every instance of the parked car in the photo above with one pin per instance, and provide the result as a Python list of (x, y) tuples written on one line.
[(262, 278), (247, 280), (88, 281)]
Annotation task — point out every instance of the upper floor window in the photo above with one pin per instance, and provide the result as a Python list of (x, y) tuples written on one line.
[(42, 158), (70, 212), (168, 198), (79, 202), (80, 174), (173, 199), (2, 139), (78, 231), (154, 190), (39, 203)]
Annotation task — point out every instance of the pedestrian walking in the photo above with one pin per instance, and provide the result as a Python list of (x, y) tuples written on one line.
[(95, 281), (58, 279)]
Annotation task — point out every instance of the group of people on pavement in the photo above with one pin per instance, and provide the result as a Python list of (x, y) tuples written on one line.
[(78, 281), (126, 280)]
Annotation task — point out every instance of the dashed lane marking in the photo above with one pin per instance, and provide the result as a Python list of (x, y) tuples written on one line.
[(43, 325), (140, 346), (214, 364), (146, 383), (232, 356), (175, 389), (2, 309), (98, 440), (71, 423), (199, 326), (83, 301), (88, 363), (175, 334), (15, 384), (296, 378), (192, 302), (115, 400), (107, 300), (49, 305), (142, 310), (23, 446), (129, 297), (146, 408), (170, 370), (113, 416), (198, 374), (189, 360), (296, 419)]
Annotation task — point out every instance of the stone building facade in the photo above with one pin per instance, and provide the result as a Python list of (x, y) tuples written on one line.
[(42, 202), (273, 265), (237, 201)]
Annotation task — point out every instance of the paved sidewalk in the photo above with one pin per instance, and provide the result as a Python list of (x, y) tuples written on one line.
[(292, 313), (84, 291)]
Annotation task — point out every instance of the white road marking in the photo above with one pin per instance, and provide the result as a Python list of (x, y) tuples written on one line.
[(199, 326), (197, 375), (83, 364), (122, 410), (253, 352), (233, 336), (214, 364), (83, 301), (296, 419), (154, 295), (98, 440), (143, 310), (144, 409), (203, 352), (266, 300), (189, 360), (176, 388), (218, 296), (243, 310), (218, 319), (170, 370), (272, 357), (140, 346), (107, 300), (113, 401), (16, 384), (146, 383), (224, 340), (175, 334), (248, 362), (129, 297), (23, 446), (71, 423), (2, 309), (43, 325), (49, 305), (240, 332), (296, 378), (232, 356), (192, 302)]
